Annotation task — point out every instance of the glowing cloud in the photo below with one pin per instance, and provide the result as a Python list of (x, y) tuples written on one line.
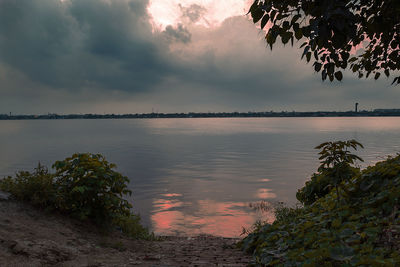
[(209, 13)]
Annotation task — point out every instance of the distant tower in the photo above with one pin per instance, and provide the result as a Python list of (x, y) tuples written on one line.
[(356, 107)]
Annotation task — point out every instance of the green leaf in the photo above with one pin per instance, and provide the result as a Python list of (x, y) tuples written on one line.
[(304, 44), (295, 18), (352, 59), (338, 75), (330, 68), (257, 14), (323, 75), (366, 185), (264, 21), (272, 15), (342, 253), (286, 25), (308, 56), (317, 66), (80, 189), (286, 37), (298, 34)]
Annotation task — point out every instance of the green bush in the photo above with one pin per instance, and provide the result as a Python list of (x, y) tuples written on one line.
[(287, 214), (37, 187), (336, 161), (336, 166), (362, 231), (319, 185), (89, 188), (84, 186), (130, 225)]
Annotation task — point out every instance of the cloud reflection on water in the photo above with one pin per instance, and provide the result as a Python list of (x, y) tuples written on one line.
[(218, 126), (265, 193), (203, 217)]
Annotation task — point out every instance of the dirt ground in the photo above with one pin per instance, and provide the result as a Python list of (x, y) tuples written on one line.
[(31, 237)]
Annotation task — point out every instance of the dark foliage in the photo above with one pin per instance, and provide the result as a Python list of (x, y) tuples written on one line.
[(363, 231), (84, 186), (332, 30)]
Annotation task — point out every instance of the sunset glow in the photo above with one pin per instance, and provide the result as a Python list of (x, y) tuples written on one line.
[(210, 13), (264, 193), (209, 217)]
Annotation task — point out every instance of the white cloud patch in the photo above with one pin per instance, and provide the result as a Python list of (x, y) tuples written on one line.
[(208, 13)]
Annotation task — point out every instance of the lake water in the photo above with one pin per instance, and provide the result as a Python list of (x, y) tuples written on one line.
[(192, 176)]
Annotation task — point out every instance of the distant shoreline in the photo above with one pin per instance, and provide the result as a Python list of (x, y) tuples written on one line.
[(283, 114)]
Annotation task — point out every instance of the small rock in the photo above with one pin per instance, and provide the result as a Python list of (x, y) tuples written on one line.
[(201, 263), (18, 248), (135, 262), (152, 258)]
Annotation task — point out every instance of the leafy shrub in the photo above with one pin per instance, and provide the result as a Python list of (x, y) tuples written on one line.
[(363, 231), (319, 185), (284, 213), (336, 166), (84, 186), (36, 187), (336, 161), (89, 188), (130, 225)]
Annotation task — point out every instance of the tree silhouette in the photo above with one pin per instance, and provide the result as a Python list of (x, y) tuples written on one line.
[(360, 35)]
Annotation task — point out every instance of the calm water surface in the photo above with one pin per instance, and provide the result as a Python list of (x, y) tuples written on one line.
[(192, 176)]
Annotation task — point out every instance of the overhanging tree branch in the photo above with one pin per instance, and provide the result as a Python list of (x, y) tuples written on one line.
[(333, 31)]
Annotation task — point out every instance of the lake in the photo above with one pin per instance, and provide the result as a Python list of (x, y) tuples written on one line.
[(192, 176)]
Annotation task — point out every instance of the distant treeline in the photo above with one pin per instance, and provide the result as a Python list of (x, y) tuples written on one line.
[(375, 113)]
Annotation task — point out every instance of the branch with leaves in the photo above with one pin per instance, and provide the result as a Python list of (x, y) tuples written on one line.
[(360, 35), (336, 160)]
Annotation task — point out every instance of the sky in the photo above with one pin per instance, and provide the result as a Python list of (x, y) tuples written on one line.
[(139, 56)]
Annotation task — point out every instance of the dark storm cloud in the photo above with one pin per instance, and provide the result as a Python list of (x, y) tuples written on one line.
[(103, 56), (34, 36), (81, 43), (235, 70), (177, 34)]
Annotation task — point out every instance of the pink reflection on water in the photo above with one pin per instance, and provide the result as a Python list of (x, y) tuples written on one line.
[(172, 195), (206, 217), (164, 222), (166, 204), (265, 193)]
